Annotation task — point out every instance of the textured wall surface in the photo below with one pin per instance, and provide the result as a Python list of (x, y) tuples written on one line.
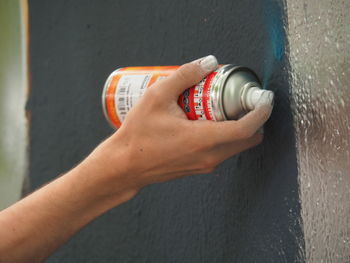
[(250, 212), (319, 37)]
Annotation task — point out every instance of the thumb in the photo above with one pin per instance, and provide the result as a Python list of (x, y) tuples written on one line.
[(244, 128), (188, 75)]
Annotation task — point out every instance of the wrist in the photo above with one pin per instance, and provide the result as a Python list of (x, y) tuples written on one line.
[(104, 174), (88, 195)]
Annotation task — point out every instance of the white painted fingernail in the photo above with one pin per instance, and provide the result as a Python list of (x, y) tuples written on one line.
[(266, 98), (198, 60), (209, 63)]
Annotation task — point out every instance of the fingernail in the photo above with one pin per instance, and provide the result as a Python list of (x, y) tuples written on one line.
[(266, 98), (209, 63)]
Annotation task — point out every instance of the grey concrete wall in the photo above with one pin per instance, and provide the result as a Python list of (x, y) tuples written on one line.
[(250, 212)]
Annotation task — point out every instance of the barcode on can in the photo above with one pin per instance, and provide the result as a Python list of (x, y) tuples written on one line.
[(130, 89)]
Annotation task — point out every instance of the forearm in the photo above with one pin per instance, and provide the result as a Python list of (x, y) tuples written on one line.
[(155, 144), (37, 225)]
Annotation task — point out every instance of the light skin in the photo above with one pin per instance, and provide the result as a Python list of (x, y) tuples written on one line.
[(156, 143)]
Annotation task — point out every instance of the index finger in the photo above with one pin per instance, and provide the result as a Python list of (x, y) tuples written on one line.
[(186, 76)]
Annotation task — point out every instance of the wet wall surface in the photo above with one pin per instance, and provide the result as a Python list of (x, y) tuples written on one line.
[(248, 211), (319, 39)]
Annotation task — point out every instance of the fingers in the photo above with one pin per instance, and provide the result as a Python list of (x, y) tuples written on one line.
[(253, 121), (211, 159), (225, 151), (232, 131), (186, 76)]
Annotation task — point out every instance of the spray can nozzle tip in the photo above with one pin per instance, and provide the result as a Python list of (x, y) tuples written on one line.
[(257, 97)]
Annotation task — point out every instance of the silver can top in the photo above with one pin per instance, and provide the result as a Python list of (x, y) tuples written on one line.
[(240, 93)]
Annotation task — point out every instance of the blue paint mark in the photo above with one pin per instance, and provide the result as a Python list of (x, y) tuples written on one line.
[(276, 37)]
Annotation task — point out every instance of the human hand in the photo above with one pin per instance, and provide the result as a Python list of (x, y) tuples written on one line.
[(157, 143)]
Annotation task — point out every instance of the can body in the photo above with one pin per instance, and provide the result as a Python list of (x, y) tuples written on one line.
[(218, 97)]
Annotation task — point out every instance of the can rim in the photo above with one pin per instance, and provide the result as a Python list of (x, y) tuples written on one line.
[(233, 69), (104, 92), (218, 89), (244, 92)]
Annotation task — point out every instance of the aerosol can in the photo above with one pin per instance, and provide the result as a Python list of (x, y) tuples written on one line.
[(225, 94)]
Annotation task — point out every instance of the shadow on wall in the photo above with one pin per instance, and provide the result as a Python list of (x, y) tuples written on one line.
[(250, 212)]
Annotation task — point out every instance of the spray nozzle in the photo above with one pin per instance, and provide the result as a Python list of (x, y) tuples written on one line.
[(257, 96)]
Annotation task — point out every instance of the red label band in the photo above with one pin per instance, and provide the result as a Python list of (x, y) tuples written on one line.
[(195, 101)]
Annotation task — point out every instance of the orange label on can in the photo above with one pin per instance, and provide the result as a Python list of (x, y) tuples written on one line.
[(127, 85)]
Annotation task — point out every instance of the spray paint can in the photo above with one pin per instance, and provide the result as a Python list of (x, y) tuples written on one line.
[(225, 94)]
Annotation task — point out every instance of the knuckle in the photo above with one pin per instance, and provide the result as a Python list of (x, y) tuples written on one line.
[(153, 91), (183, 75), (154, 95), (241, 132), (188, 72)]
